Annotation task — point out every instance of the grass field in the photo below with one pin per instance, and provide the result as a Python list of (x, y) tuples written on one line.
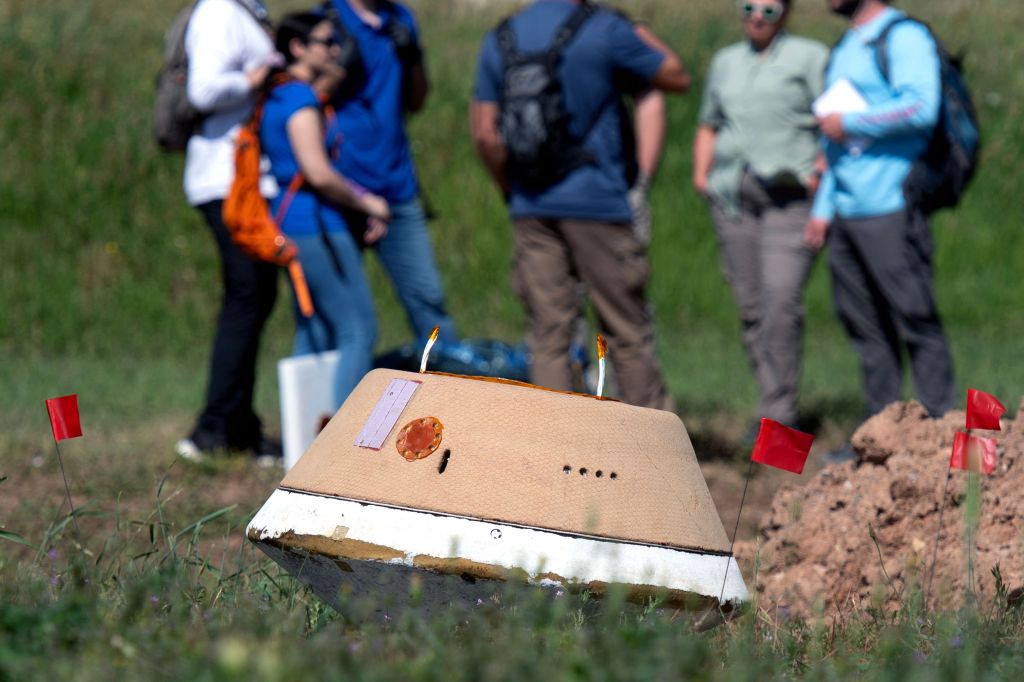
[(110, 291)]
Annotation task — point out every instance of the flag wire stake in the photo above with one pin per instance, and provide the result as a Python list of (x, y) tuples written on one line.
[(735, 529), (973, 492), (67, 492), (938, 532)]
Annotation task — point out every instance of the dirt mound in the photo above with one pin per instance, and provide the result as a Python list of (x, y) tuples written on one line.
[(864, 532)]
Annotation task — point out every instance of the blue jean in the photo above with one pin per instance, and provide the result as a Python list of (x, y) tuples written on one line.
[(344, 317), (408, 257)]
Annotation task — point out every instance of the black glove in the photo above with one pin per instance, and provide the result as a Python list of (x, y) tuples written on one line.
[(408, 50)]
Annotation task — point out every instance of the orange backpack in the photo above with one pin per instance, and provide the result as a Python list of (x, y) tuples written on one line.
[(248, 218)]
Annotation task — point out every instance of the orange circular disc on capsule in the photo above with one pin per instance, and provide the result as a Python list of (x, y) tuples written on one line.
[(419, 438)]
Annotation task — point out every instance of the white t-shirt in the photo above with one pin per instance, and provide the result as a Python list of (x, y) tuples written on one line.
[(223, 42)]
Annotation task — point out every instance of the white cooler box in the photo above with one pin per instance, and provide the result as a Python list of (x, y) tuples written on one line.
[(307, 400)]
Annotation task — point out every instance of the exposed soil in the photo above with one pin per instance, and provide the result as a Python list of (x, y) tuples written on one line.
[(811, 551), (863, 533)]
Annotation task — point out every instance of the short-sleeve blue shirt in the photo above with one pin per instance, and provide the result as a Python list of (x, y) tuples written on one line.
[(605, 54), (306, 212), (372, 122)]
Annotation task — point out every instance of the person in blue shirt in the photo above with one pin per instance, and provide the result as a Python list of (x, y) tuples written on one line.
[(292, 137), (579, 228), (880, 247), (385, 81)]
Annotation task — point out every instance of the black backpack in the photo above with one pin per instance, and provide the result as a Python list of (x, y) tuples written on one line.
[(939, 178), (534, 123)]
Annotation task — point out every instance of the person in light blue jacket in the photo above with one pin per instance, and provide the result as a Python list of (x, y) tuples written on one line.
[(880, 248)]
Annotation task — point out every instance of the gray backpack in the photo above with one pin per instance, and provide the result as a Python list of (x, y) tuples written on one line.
[(174, 117), (534, 122)]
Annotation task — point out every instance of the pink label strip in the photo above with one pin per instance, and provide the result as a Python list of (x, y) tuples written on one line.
[(386, 413)]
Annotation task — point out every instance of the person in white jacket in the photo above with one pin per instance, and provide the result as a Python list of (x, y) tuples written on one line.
[(230, 55)]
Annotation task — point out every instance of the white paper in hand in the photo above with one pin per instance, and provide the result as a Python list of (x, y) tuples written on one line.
[(841, 98)]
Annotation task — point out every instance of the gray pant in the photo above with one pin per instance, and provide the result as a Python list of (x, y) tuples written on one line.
[(766, 263), (551, 257), (882, 284)]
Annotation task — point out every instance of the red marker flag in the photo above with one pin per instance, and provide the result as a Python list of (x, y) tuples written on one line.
[(781, 447), (973, 453), (983, 410), (64, 419)]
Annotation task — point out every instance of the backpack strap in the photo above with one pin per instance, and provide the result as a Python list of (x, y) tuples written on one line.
[(881, 43), (506, 37), (274, 82), (567, 31), (258, 12), (286, 201)]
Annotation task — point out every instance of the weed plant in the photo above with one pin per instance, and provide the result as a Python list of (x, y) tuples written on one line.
[(151, 601)]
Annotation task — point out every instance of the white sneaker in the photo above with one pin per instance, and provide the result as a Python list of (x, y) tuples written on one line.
[(268, 461), (187, 449)]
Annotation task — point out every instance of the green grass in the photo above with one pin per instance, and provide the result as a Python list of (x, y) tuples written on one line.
[(158, 598), (110, 291)]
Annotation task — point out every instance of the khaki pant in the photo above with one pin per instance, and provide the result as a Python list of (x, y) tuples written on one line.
[(551, 256), (766, 263)]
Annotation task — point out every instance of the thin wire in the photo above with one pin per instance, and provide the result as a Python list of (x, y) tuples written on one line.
[(67, 492), (935, 549), (729, 559)]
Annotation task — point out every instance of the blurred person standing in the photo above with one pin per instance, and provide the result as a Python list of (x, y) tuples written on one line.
[(386, 80), (292, 137), (577, 225), (880, 248), (754, 160), (230, 55)]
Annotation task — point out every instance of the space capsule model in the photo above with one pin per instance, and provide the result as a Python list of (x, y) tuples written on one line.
[(439, 487)]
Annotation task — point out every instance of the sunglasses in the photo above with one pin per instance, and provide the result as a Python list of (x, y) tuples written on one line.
[(771, 12), (326, 42)]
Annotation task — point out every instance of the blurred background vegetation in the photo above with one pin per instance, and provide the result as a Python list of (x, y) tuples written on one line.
[(110, 286)]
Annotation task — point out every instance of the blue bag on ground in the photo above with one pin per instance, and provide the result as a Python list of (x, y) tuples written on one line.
[(478, 357)]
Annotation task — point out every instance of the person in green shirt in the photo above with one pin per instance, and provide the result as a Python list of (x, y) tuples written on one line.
[(756, 161)]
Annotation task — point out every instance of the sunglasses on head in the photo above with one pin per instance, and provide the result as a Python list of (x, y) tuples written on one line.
[(771, 12)]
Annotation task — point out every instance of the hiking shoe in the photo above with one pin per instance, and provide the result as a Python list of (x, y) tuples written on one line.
[(268, 461), (267, 453), (199, 444), (749, 436), (841, 455), (186, 448), (266, 447)]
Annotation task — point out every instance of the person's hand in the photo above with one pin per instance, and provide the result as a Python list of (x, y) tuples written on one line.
[(815, 232), (700, 183), (832, 127), (640, 207), (376, 229), (376, 207), (257, 76), (811, 182)]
